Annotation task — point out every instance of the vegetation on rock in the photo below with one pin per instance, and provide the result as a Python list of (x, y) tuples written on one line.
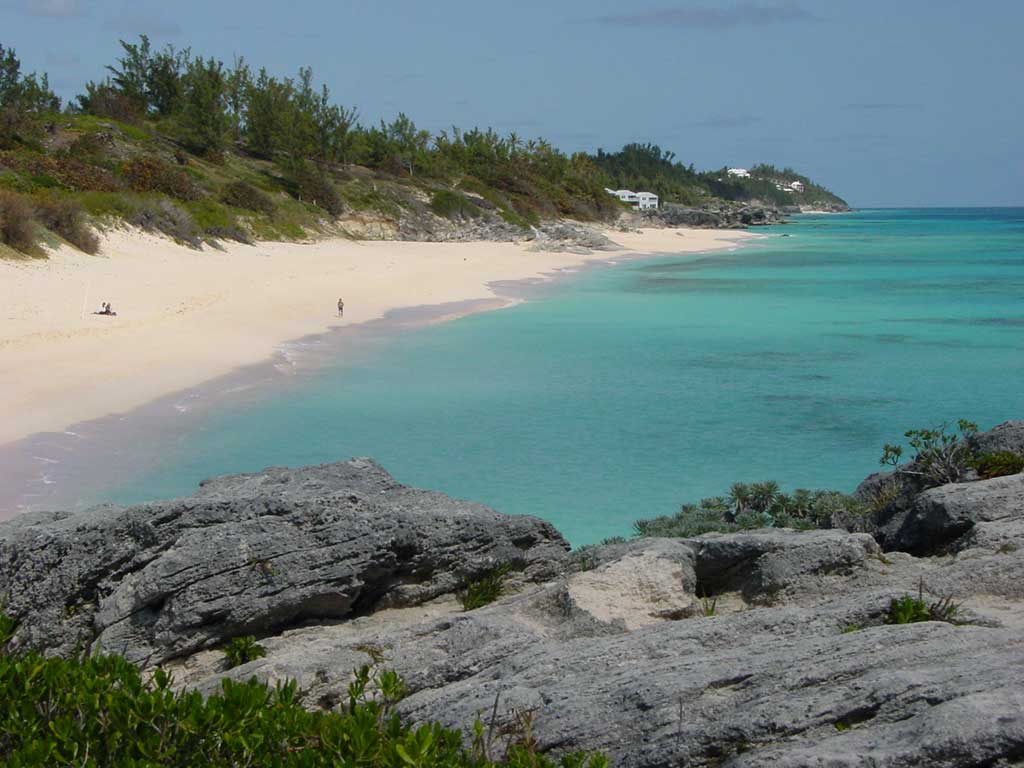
[(910, 610), (242, 650), (997, 464), (99, 711), (761, 505), (486, 589), (940, 456)]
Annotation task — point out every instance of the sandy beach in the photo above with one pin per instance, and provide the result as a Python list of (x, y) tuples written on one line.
[(185, 316)]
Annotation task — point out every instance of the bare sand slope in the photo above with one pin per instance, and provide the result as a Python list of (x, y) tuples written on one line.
[(186, 316)]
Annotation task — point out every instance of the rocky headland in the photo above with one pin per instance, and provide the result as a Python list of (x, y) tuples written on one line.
[(760, 648)]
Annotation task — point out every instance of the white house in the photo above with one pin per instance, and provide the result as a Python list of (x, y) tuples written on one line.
[(643, 201), (739, 173), (797, 186), (647, 201)]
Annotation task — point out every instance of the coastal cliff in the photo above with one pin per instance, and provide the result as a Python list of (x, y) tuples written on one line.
[(755, 648)]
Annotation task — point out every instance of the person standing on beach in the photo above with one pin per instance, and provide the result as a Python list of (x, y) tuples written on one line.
[(341, 308)]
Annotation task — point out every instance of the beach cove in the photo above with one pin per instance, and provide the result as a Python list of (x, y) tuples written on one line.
[(187, 316)]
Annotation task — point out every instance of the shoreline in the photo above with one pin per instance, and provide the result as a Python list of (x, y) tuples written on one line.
[(179, 369)]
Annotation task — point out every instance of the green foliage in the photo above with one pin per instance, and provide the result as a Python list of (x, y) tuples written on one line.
[(910, 610), (241, 194), (242, 650), (205, 113), (315, 187), (997, 464), (22, 99), (940, 456), (708, 605), (98, 711), (151, 174), (452, 205), (486, 589), (649, 168), (17, 222), (907, 610), (63, 215), (761, 505)]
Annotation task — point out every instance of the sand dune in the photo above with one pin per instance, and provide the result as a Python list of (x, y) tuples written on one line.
[(185, 316)]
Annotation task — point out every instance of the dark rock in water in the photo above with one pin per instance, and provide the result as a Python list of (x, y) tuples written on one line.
[(252, 554)]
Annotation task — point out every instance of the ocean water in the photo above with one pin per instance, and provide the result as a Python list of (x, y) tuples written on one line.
[(625, 391)]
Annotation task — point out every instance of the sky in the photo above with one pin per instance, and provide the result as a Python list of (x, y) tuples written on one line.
[(886, 102)]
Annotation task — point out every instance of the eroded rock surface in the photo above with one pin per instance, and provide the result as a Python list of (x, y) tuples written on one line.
[(252, 554), (761, 648)]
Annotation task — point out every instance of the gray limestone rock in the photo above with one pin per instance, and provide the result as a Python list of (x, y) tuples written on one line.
[(252, 554), (938, 517), (761, 648)]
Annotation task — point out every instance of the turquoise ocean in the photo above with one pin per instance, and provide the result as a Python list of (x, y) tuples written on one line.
[(624, 391)]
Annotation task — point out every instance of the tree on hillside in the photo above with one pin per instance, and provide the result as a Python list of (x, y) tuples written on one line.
[(237, 84), (22, 98), (267, 114), (205, 118)]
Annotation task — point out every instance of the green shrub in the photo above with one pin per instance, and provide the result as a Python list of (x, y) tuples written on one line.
[(761, 505), (910, 610), (486, 589), (940, 456), (998, 464), (907, 610), (98, 711), (64, 216), (241, 194), (452, 205), (314, 187), (151, 174), (17, 222), (242, 650)]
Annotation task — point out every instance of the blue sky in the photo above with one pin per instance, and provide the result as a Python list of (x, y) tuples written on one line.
[(888, 102)]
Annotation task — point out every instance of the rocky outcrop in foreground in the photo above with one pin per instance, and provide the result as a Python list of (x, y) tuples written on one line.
[(765, 648)]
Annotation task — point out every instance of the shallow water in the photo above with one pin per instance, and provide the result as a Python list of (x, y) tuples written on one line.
[(625, 391)]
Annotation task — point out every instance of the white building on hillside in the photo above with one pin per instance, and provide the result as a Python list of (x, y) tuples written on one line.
[(740, 173), (643, 201), (797, 186), (647, 201)]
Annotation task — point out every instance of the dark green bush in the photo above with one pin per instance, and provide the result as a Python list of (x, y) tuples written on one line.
[(151, 174), (452, 205), (242, 650), (486, 589), (17, 222), (97, 711), (940, 456), (910, 610), (64, 216), (241, 194), (998, 464), (314, 187), (761, 505)]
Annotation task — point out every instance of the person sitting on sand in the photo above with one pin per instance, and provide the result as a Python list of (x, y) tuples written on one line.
[(105, 309)]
